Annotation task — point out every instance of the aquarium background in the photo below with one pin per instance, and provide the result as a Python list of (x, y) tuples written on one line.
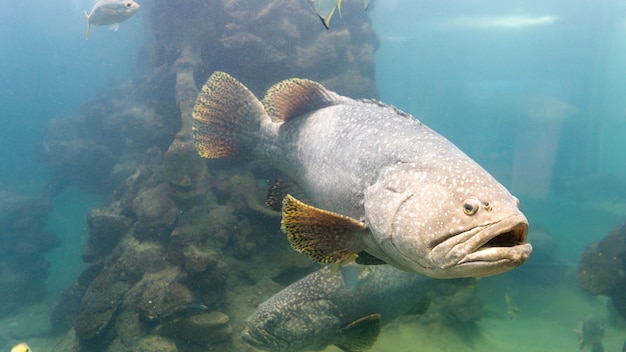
[(532, 90)]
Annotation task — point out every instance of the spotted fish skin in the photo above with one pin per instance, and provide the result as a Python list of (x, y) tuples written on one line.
[(323, 309), (381, 182)]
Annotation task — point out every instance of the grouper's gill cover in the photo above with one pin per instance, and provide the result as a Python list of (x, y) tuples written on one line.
[(381, 183)]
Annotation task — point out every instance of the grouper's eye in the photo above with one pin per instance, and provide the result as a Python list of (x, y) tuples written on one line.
[(471, 206), (128, 5), (270, 322)]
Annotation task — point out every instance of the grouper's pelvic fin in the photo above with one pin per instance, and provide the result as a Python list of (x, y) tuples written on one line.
[(361, 334), (88, 24), (323, 236), (295, 97), (226, 117)]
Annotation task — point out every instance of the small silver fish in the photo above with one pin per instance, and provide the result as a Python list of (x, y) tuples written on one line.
[(112, 12), (198, 306), (325, 9)]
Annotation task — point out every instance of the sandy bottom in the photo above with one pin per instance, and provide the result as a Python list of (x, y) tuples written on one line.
[(546, 322)]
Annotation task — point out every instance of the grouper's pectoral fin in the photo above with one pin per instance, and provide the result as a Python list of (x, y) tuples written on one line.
[(323, 236), (361, 334)]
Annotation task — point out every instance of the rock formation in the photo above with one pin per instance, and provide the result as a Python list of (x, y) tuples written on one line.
[(185, 249)]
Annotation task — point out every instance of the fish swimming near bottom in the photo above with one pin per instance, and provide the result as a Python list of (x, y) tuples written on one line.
[(512, 309), (345, 309), (110, 12), (380, 185), (591, 332)]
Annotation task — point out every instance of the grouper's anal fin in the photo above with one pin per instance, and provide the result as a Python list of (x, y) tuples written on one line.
[(295, 97), (226, 117), (323, 236), (361, 334)]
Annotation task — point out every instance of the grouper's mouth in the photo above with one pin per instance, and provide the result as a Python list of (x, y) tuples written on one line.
[(485, 250), (251, 340), (263, 340)]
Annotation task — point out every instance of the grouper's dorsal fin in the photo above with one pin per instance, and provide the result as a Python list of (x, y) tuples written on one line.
[(361, 334), (323, 236), (294, 97), (226, 117)]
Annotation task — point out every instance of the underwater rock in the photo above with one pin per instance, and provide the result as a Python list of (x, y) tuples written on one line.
[(24, 242), (126, 266), (198, 261), (182, 164), (460, 309), (106, 228), (602, 266), (213, 229), (100, 302), (159, 297), (179, 230), (65, 311), (199, 329), (156, 213), (73, 158), (155, 343)]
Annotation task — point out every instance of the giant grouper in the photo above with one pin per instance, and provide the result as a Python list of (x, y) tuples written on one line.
[(383, 187)]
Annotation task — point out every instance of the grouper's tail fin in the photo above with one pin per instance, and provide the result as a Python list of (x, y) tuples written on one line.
[(227, 118)]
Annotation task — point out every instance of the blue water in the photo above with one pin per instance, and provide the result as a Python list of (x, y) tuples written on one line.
[(48, 69), (532, 90)]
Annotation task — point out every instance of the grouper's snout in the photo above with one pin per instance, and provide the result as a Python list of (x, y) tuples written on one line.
[(482, 250), (253, 340)]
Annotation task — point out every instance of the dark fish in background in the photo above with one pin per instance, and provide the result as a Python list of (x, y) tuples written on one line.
[(590, 333), (512, 309), (346, 309), (386, 188), (110, 12)]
